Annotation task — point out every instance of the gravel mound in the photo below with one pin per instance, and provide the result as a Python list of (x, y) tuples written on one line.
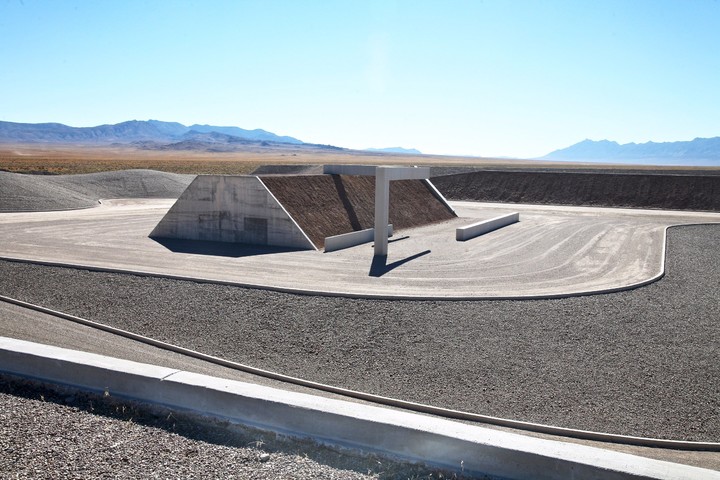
[(642, 362), (80, 435), (19, 192), (127, 184), (674, 192)]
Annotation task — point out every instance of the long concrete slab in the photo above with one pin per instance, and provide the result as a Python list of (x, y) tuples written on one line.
[(347, 240), (554, 251), (485, 226), (405, 435)]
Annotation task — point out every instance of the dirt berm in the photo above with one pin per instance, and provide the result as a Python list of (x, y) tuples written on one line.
[(327, 205), (675, 192)]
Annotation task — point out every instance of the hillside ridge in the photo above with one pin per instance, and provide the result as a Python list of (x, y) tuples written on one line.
[(707, 149)]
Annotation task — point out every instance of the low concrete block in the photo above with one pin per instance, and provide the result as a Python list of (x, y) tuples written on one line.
[(347, 240), (471, 231)]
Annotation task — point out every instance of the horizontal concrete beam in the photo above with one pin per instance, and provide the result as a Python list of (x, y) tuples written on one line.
[(368, 170), (392, 172), (347, 240), (408, 436), (471, 231), (405, 173)]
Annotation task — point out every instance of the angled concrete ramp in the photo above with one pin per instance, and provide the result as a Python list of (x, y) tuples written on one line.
[(237, 209)]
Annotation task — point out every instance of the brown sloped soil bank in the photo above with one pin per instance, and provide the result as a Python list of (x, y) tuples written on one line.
[(661, 191), (327, 205)]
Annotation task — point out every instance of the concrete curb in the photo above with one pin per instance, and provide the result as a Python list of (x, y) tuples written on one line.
[(331, 293), (412, 437)]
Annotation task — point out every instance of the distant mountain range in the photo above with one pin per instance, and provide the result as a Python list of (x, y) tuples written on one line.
[(158, 135), (134, 131), (409, 151), (701, 151)]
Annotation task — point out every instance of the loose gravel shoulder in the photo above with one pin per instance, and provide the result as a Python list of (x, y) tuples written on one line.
[(47, 432), (23, 193), (643, 362)]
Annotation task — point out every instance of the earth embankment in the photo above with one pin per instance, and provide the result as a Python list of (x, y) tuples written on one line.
[(661, 191), (327, 205), (682, 190)]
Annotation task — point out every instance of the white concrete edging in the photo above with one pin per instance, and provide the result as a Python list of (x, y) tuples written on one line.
[(407, 436), (350, 239), (439, 195), (471, 231)]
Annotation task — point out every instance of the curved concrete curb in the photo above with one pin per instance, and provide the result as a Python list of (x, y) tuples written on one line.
[(408, 436), (380, 400), (328, 293), (370, 296)]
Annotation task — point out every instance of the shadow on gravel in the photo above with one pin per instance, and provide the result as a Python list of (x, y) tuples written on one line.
[(219, 249), (380, 267)]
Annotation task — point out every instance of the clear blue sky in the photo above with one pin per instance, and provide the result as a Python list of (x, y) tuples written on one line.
[(486, 78)]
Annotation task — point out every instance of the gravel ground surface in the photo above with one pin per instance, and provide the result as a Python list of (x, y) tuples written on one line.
[(643, 362), (80, 435), (20, 192)]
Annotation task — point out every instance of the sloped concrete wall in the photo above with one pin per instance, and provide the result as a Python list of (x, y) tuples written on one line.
[(237, 209)]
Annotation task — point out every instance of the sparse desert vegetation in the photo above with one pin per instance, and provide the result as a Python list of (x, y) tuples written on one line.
[(62, 159)]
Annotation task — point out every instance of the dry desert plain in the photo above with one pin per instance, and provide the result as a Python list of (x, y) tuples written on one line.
[(74, 159)]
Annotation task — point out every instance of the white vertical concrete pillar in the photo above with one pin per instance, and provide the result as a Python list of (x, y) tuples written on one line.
[(382, 210)]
